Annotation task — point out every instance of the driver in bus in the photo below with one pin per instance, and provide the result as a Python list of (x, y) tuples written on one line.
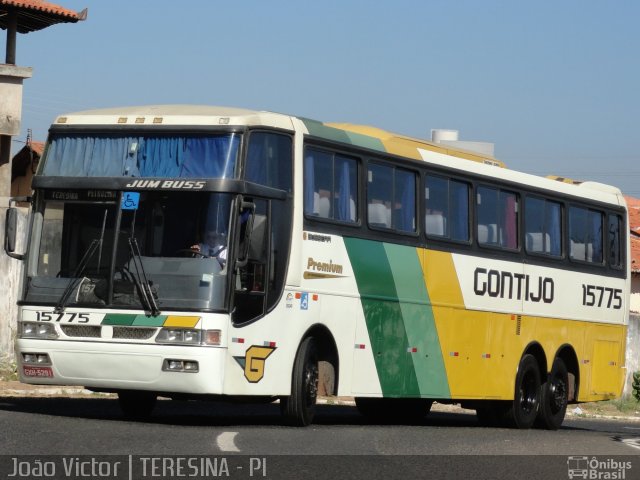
[(214, 244)]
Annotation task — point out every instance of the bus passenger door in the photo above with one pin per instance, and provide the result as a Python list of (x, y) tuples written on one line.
[(250, 273), (259, 278)]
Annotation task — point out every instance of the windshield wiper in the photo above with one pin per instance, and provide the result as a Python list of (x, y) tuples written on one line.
[(88, 254), (143, 284), (62, 303)]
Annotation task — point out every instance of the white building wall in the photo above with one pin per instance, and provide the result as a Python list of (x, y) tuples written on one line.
[(10, 277), (634, 304), (633, 351)]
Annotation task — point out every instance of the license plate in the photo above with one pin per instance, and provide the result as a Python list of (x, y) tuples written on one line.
[(37, 371)]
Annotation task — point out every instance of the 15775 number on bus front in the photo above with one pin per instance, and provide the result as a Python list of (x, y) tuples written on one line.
[(596, 296), (59, 317)]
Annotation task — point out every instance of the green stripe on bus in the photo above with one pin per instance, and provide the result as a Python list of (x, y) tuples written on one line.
[(318, 129), (366, 141), (118, 319), (419, 322), (144, 321), (383, 316)]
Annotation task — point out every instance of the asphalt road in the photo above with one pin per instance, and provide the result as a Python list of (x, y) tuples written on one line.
[(341, 442)]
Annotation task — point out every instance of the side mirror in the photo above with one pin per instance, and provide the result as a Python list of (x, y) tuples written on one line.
[(10, 233)]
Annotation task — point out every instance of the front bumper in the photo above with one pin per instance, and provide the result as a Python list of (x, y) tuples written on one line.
[(123, 366)]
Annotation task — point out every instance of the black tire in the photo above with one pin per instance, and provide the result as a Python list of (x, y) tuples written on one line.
[(554, 396), (526, 400), (394, 409), (298, 409), (137, 404)]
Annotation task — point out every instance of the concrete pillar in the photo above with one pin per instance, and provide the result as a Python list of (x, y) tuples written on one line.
[(11, 78), (10, 282), (12, 33)]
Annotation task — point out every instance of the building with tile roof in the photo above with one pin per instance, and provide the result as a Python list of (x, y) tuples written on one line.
[(633, 205), (23, 167), (35, 15)]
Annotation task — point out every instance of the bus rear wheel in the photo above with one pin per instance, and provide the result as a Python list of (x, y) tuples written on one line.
[(524, 408), (298, 409), (137, 404), (554, 397)]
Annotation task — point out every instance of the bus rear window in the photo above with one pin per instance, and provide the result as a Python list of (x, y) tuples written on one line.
[(585, 235)]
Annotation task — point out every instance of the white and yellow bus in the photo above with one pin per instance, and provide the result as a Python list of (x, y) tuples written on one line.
[(348, 260)]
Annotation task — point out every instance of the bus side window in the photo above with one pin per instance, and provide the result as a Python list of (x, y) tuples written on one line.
[(542, 226), (391, 198), (330, 185), (585, 235), (497, 218), (447, 208), (269, 160)]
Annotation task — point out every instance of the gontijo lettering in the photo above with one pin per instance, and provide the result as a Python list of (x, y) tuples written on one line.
[(501, 284)]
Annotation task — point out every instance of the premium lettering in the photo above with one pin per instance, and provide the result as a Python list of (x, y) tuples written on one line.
[(324, 267)]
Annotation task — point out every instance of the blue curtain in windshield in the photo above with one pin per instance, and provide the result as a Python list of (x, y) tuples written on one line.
[(161, 157), (107, 156), (89, 156), (210, 157)]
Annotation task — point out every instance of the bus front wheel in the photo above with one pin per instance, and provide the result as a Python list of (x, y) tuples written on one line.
[(298, 409), (554, 397)]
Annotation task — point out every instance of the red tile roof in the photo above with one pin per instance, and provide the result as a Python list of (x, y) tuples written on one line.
[(37, 14), (633, 204), (29, 155), (37, 147)]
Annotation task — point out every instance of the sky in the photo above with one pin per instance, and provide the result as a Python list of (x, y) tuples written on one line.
[(553, 84)]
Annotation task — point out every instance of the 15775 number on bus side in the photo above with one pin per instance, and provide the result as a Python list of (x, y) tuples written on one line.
[(597, 296)]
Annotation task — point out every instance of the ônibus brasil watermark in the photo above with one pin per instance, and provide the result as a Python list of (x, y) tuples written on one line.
[(594, 468)]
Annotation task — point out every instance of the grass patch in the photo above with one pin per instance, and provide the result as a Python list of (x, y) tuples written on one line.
[(626, 404), (8, 371)]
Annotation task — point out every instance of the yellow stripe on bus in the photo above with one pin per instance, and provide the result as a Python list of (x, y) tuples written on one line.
[(181, 321), (481, 350)]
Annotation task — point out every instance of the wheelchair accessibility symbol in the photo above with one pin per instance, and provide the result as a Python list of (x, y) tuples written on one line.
[(130, 201)]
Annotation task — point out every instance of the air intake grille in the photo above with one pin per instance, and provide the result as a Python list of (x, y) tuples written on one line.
[(133, 333), (91, 331)]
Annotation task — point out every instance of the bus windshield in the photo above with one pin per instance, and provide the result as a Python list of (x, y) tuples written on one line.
[(136, 155), (167, 249)]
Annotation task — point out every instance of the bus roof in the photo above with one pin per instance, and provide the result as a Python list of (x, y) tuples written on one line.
[(357, 135)]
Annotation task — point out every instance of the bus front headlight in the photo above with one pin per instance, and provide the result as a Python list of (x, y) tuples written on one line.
[(179, 336), (38, 330)]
